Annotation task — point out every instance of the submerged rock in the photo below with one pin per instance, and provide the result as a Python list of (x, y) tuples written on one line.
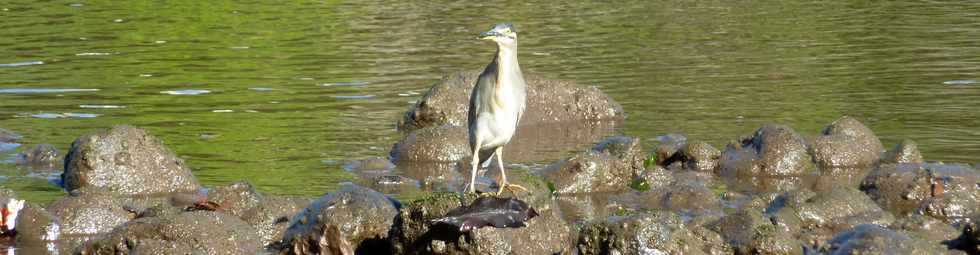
[(774, 150), (125, 160), (197, 232), (447, 102), (41, 156), (648, 233), (846, 143), (7, 136), (358, 218)]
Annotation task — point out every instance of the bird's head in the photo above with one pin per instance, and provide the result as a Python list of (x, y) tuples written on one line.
[(503, 34)]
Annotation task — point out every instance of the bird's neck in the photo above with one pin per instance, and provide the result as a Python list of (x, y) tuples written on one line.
[(507, 66)]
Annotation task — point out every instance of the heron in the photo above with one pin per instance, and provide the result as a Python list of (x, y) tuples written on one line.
[(496, 104)]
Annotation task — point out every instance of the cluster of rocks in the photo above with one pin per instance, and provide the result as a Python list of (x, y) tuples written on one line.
[(771, 192)]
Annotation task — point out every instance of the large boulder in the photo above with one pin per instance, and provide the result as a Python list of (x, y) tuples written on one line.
[(946, 191), (196, 232), (127, 161), (846, 143), (352, 218), (418, 234), (447, 102), (658, 232), (774, 150)]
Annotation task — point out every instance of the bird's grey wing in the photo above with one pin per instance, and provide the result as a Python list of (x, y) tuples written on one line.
[(484, 86)]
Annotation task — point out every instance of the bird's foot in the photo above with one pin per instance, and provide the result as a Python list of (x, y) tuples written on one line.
[(511, 188)]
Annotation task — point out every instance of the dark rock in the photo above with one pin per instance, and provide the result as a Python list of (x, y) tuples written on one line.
[(444, 143), (37, 227), (235, 198), (874, 239), (196, 232), (42, 156), (545, 234), (272, 215), (904, 152), (609, 166), (846, 143), (125, 160), (969, 239), (774, 150), (363, 218), (648, 233), (547, 101), (90, 214), (947, 192), (488, 212)]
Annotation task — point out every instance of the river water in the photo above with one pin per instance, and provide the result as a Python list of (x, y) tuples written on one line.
[(283, 94)]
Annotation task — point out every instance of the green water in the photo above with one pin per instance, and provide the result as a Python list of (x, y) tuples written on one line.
[(710, 69)]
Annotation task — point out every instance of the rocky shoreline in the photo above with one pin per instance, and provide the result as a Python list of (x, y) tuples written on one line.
[(770, 192)]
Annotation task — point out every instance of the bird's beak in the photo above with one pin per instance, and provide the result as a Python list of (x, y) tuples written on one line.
[(489, 35)]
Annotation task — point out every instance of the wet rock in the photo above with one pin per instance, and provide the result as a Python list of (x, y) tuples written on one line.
[(198, 232), (903, 153), (272, 215), (545, 234), (435, 176), (749, 231), (691, 195), (627, 149), (447, 102), (921, 227), (125, 160), (846, 143), (41, 156), (444, 143), (91, 213), (609, 166), (822, 214), (37, 227), (363, 218), (648, 233), (654, 177), (235, 198), (947, 192), (588, 172), (875, 239), (774, 150)]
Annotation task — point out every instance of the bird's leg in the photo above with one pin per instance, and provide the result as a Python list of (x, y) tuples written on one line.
[(475, 164), (499, 154)]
